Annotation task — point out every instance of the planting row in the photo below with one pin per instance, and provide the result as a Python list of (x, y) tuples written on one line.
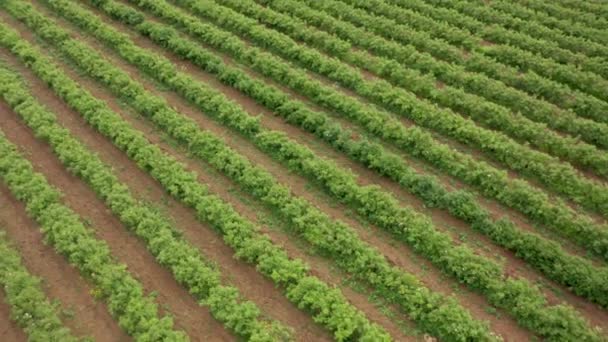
[(492, 182), (501, 28), (30, 307), (332, 238), (559, 177), (327, 305), (556, 93), (136, 313), (407, 55), (574, 272), (575, 44), (596, 19), (412, 228), (549, 23), (522, 60), (451, 95), (187, 264)]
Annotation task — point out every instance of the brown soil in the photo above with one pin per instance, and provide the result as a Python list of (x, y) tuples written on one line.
[(9, 330)]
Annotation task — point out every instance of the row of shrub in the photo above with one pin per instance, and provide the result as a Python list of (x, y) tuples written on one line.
[(573, 272), (327, 305), (584, 12), (498, 13), (23, 292), (489, 180), (503, 29), (398, 31), (331, 238), (186, 263), (371, 203), (559, 177), (402, 68), (567, 27), (535, 60), (399, 57), (136, 313)]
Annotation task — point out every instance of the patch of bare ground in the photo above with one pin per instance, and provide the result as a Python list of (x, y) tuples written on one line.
[(9, 330), (373, 236), (484, 42), (61, 281)]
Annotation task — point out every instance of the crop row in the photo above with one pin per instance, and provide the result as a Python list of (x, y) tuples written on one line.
[(372, 203), (573, 272), (554, 92), (333, 238), (593, 7), (450, 95), (187, 264), (536, 30), (596, 19), (327, 305), (30, 307), (547, 22), (559, 177), (454, 75), (492, 182), (522, 60), (136, 313), (499, 27)]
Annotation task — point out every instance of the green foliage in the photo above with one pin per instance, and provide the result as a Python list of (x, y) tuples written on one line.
[(399, 60), (30, 307), (434, 313), (185, 261), (492, 182), (557, 176), (399, 31), (240, 234), (514, 48), (62, 228)]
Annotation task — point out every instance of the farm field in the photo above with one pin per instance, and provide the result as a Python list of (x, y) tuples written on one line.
[(301, 170)]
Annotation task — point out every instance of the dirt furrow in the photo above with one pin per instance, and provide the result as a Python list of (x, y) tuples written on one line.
[(9, 330)]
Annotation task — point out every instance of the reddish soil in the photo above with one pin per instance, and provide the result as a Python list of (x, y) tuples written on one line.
[(9, 330)]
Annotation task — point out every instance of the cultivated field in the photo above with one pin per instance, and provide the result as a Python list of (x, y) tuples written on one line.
[(303, 170)]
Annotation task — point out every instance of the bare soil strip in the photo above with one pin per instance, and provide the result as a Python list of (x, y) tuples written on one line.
[(9, 330)]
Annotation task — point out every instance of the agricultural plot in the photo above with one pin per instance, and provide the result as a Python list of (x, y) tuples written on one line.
[(300, 170)]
